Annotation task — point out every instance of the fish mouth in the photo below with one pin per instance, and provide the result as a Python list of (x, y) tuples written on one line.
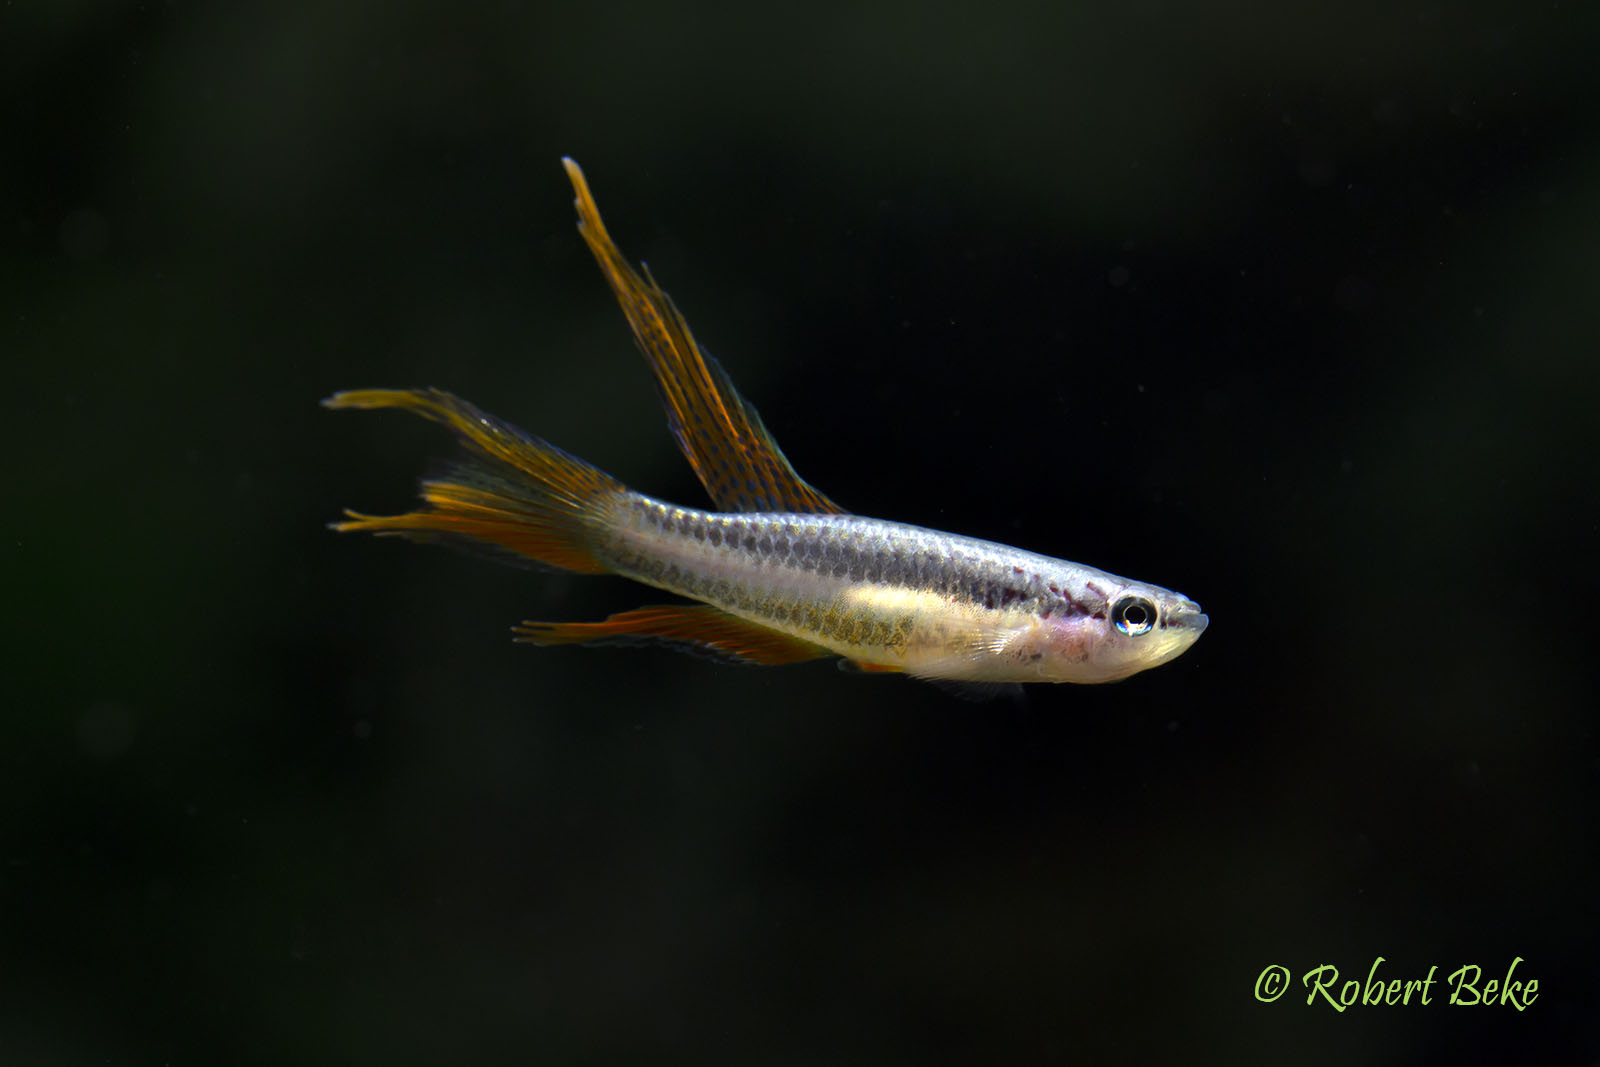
[(1186, 615)]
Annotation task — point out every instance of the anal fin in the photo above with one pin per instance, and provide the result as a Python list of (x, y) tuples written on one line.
[(981, 692), (855, 666), (696, 628)]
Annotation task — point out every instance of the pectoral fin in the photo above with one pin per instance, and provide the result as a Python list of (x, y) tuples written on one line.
[(732, 453), (688, 627)]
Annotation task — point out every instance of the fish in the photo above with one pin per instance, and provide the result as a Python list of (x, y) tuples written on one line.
[(777, 573)]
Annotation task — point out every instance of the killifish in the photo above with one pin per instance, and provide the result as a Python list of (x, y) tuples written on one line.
[(778, 572)]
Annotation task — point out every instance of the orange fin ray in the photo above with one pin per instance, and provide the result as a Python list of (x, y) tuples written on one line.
[(719, 431), (855, 666), (513, 494), (688, 627)]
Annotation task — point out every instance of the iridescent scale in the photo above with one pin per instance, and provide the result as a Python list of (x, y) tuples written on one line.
[(846, 582)]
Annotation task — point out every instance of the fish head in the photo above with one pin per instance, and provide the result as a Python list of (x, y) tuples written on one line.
[(1116, 628)]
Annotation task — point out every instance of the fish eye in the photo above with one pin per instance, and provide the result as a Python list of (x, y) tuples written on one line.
[(1133, 615)]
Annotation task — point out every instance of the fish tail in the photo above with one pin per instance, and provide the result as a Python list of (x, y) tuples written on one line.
[(513, 493)]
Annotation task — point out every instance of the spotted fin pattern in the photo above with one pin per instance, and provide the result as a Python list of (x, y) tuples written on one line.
[(720, 433)]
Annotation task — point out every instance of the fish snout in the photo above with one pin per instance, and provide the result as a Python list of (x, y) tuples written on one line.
[(1186, 615)]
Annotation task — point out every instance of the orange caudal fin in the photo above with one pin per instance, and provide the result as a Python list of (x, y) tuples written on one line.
[(688, 627), (513, 493), (719, 431)]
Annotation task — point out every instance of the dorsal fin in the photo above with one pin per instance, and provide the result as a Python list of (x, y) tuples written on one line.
[(719, 431)]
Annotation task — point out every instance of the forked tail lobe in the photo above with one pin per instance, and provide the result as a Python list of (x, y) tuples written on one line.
[(513, 492)]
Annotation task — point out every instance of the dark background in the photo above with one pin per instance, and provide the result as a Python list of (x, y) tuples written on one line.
[(1290, 307)]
